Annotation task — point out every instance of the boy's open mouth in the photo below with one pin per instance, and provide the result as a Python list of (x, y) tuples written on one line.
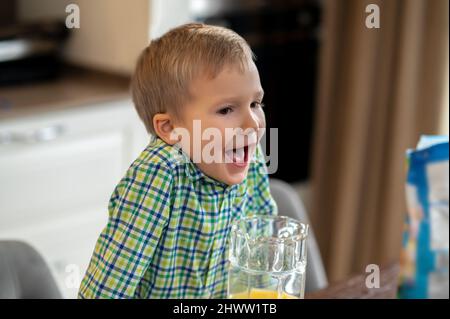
[(238, 156)]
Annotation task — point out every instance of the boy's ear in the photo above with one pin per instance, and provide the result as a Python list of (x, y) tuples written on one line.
[(163, 126)]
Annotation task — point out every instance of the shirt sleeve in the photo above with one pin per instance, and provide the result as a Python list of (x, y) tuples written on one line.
[(139, 210), (261, 199)]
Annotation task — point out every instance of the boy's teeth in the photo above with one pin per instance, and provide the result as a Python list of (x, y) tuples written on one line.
[(230, 156), (236, 155), (239, 155)]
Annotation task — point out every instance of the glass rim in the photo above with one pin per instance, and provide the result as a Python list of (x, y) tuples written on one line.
[(235, 229)]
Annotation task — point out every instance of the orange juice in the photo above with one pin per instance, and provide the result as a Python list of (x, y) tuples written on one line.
[(261, 294)]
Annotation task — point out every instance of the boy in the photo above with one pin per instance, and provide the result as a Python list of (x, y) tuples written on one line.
[(169, 217)]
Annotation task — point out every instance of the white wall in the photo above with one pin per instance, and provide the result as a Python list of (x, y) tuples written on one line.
[(166, 14)]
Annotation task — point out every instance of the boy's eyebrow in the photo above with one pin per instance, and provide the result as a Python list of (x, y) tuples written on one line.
[(259, 94), (235, 99)]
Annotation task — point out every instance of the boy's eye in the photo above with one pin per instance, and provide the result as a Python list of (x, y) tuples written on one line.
[(225, 110), (257, 104)]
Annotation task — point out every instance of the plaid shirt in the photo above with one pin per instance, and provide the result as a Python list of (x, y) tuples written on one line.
[(168, 228)]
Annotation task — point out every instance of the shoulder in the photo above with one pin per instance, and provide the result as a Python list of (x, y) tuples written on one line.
[(158, 164), (160, 156)]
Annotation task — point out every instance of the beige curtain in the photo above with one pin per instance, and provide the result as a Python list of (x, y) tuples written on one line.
[(379, 89)]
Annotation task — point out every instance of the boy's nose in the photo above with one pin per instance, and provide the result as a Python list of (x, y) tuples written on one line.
[(251, 121)]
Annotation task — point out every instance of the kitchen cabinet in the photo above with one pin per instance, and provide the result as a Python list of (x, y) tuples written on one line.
[(58, 170)]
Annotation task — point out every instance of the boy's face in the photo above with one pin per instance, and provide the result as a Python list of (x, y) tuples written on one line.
[(232, 100)]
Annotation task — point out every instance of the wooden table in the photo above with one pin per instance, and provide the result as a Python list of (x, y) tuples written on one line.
[(355, 287)]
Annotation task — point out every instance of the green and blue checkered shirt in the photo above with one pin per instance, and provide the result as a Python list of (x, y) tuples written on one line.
[(168, 229)]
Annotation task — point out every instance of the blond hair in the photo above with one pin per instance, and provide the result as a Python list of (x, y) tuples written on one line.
[(167, 66)]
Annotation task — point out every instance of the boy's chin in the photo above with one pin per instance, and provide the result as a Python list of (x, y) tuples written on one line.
[(225, 173), (230, 181), (233, 178)]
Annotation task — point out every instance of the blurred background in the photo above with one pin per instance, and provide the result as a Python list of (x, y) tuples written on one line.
[(348, 101)]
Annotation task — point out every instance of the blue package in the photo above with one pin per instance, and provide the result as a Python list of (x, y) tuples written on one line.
[(424, 260)]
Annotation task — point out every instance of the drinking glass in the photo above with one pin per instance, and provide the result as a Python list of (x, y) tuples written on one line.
[(267, 258)]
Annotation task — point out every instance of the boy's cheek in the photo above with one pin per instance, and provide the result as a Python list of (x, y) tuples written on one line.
[(209, 153)]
